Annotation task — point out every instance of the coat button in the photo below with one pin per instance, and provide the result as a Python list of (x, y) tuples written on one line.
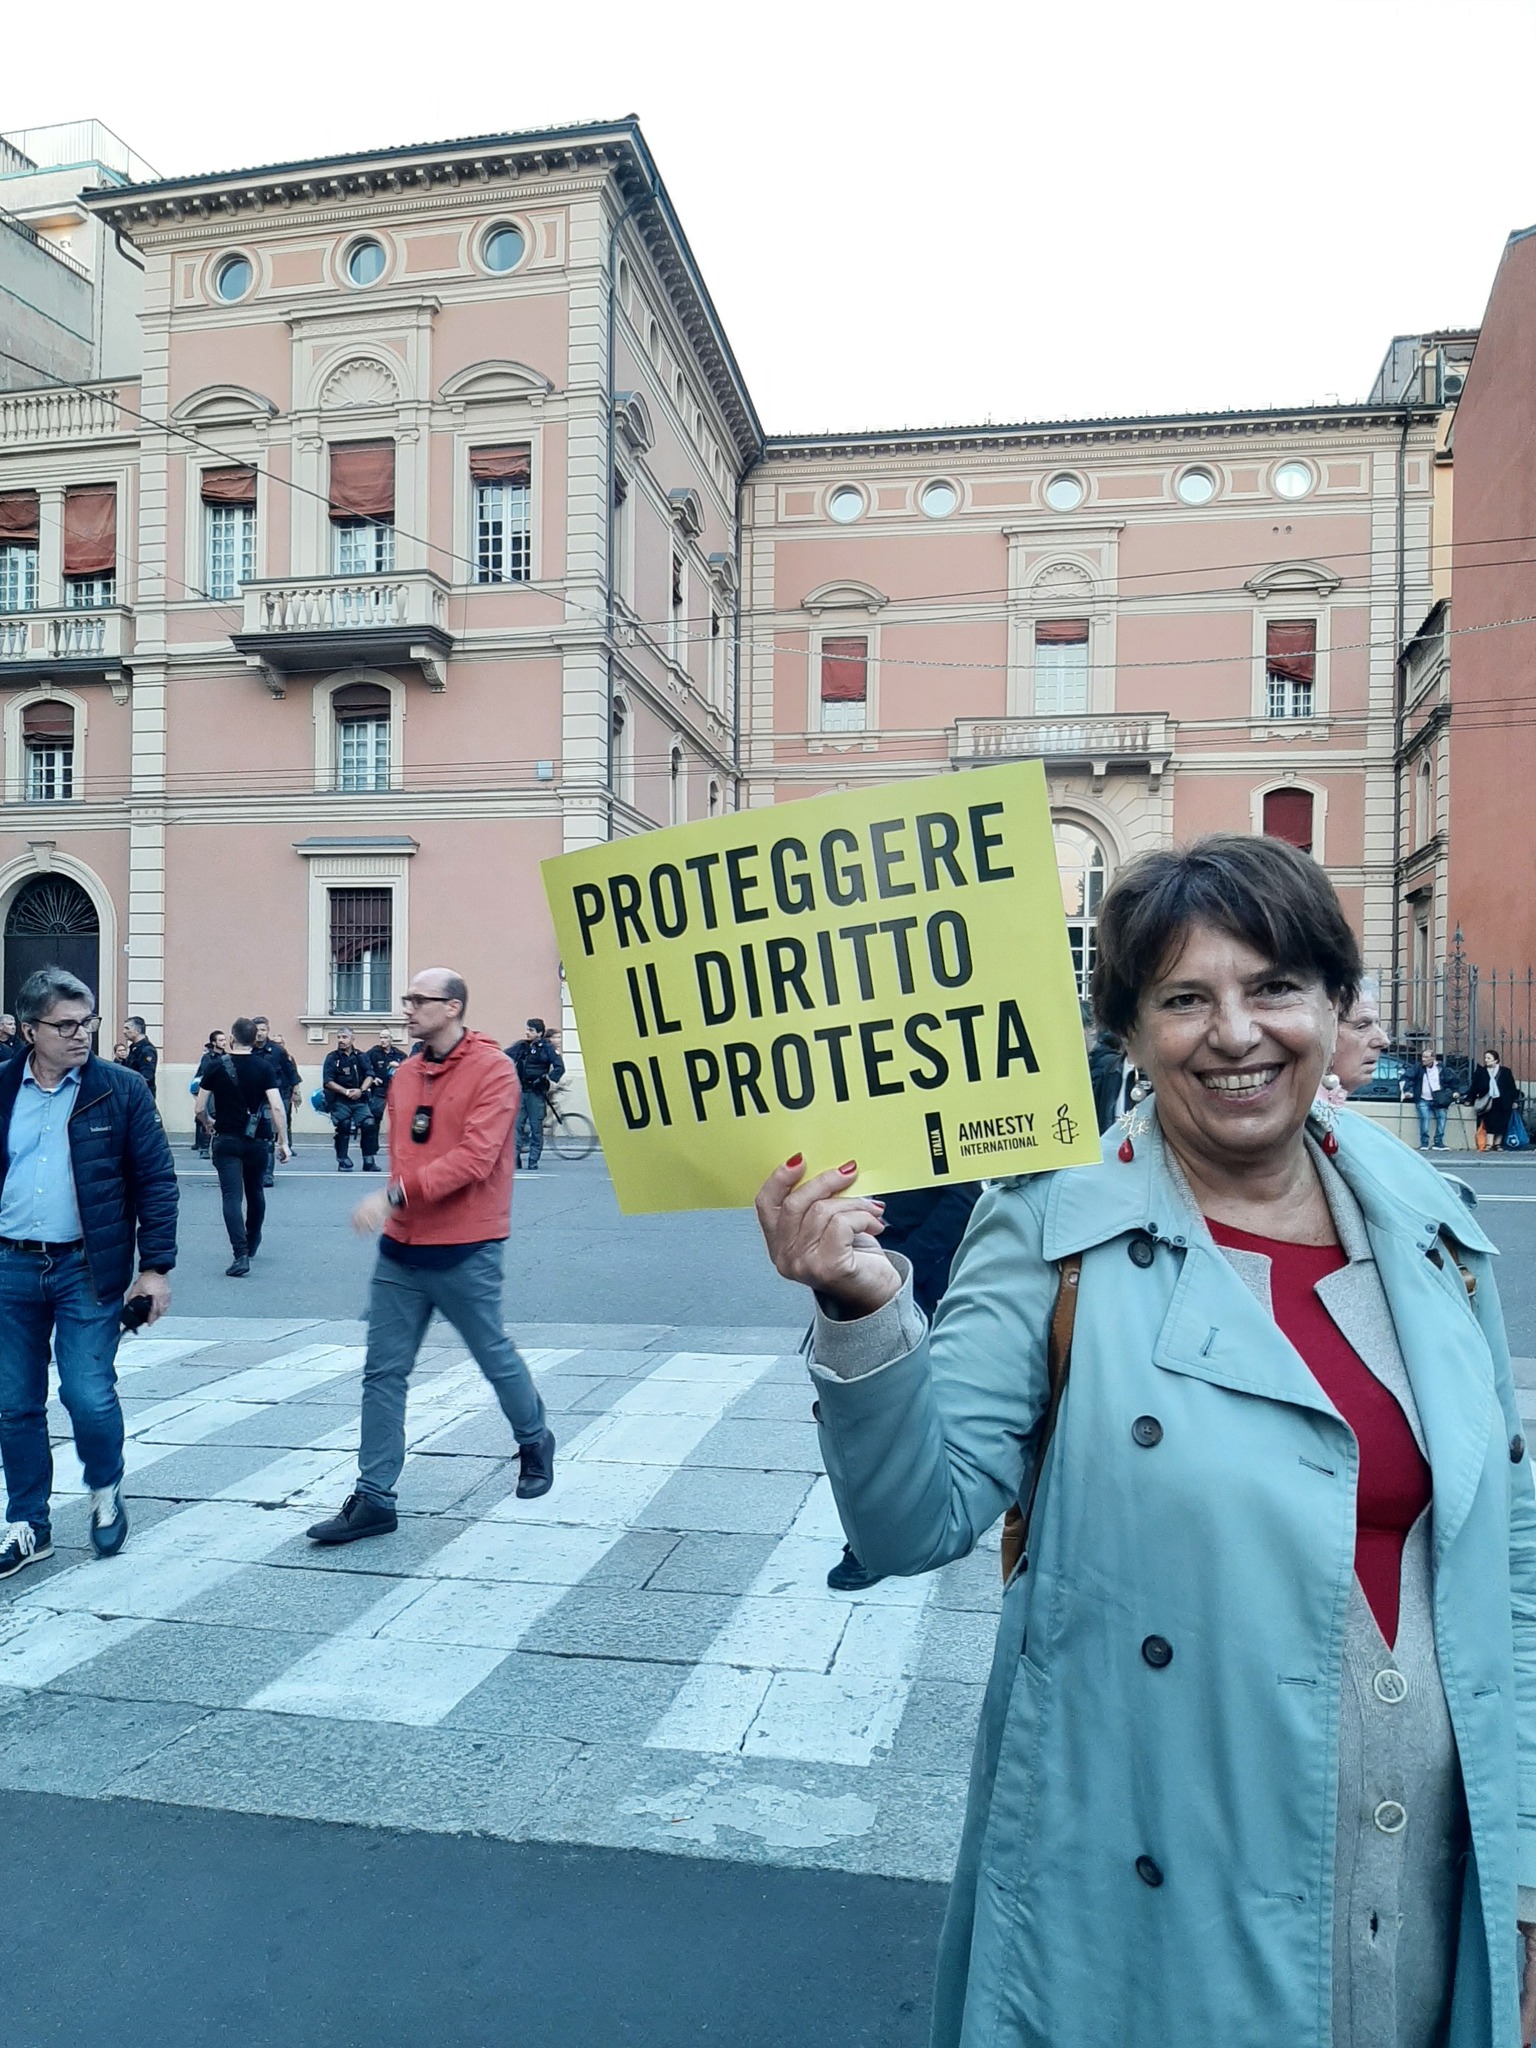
[(1390, 1687), (1148, 1872), (1140, 1249), (1146, 1430), (1516, 1449), (1391, 1817), (1158, 1652)]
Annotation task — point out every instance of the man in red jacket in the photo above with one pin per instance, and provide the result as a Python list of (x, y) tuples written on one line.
[(445, 1215)]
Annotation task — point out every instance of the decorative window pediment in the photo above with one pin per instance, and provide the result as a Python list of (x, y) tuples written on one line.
[(722, 573), (495, 383), (225, 405), (843, 597), (687, 511), (359, 381), (1295, 579), (1062, 583), (633, 421)]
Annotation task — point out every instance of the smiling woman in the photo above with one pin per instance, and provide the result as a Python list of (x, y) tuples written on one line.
[(1234, 1371)]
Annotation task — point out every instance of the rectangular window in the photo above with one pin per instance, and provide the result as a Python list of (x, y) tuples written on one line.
[(50, 772), (362, 504), (362, 926), (1061, 666), (717, 646), (18, 578), (503, 512), (1288, 816), (677, 649), (85, 593), (90, 540), (845, 683), (1290, 667), (623, 544), (20, 530), (229, 530)]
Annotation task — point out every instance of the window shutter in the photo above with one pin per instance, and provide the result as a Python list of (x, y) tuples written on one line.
[(1288, 816), (48, 723), (363, 480), (845, 670), (90, 530), (232, 486), (20, 519), (1290, 651), (361, 700), (1061, 632), (510, 465)]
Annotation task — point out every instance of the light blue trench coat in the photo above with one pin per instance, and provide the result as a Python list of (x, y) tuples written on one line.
[(1232, 1537)]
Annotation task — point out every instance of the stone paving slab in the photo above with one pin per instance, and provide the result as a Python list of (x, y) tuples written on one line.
[(648, 1657)]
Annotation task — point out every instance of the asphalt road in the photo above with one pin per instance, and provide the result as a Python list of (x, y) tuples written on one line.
[(571, 1257), (169, 1927)]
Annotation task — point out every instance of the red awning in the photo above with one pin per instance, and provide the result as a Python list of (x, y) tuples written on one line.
[(1288, 816), (20, 519), (1061, 632), (232, 486), (1290, 650), (511, 465), (845, 670), (90, 530), (363, 480)]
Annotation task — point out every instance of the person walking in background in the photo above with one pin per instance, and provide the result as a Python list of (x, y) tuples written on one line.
[(202, 1131), (1425, 1086), (1112, 1074), (275, 1053), (1494, 1096), (86, 1182), (444, 1215), (1361, 1044), (10, 1043), (120, 1052), (349, 1090), (248, 1117), (383, 1058), (539, 1066), (142, 1057), (294, 1084)]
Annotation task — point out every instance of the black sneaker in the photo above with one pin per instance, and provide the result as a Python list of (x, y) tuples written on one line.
[(370, 1166), (359, 1516), (109, 1521), (267, 1181), (538, 1467), (21, 1544), (849, 1576), (343, 1166), (239, 1268)]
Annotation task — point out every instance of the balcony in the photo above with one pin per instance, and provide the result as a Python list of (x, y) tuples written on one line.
[(318, 623), (1134, 745), (78, 412), (75, 645)]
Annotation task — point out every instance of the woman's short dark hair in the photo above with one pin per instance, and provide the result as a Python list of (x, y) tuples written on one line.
[(1262, 891)]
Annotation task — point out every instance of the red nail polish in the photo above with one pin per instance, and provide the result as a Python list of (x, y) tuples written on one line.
[(798, 1160), (850, 1167)]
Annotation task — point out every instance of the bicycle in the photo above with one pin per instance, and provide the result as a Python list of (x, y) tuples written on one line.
[(568, 1134)]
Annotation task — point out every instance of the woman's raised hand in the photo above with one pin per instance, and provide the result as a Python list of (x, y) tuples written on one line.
[(826, 1238)]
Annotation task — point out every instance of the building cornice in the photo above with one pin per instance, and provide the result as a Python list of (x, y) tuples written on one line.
[(615, 150)]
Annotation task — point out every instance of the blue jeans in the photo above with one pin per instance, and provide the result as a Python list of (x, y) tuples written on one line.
[(529, 1135), (400, 1306), (43, 1298), (1426, 1111)]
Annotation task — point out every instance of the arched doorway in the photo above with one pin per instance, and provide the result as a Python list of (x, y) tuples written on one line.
[(52, 923), (1083, 870)]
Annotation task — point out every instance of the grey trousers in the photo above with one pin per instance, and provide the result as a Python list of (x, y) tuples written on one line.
[(400, 1306)]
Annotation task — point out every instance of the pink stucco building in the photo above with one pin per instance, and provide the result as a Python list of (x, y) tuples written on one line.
[(437, 534)]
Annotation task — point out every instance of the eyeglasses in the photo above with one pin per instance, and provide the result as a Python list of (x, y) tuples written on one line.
[(71, 1027), (420, 1002)]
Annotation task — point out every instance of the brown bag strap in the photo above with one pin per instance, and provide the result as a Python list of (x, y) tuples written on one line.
[(1058, 1360)]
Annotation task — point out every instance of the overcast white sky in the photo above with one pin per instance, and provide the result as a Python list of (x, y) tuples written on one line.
[(926, 214)]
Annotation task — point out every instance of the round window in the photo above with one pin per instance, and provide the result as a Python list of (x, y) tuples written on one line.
[(504, 248), (1065, 493), (365, 262), (1293, 479), (233, 278), (846, 504), (1196, 487), (938, 500)]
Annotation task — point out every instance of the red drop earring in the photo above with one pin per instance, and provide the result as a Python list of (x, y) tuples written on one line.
[(1127, 1151), (1330, 1143)]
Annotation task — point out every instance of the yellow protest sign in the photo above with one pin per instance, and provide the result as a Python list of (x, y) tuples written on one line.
[(881, 975)]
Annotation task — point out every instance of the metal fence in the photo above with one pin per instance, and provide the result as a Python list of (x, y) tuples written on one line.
[(1461, 1010)]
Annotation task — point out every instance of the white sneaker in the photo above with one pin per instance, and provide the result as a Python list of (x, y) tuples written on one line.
[(109, 1521), (20, 1545)]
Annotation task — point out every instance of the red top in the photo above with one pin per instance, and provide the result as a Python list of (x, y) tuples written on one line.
[(1394, 1484), (458, 1182)]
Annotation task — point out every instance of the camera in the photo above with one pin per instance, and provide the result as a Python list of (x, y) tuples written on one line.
[(421, 1124), (135, 1314)]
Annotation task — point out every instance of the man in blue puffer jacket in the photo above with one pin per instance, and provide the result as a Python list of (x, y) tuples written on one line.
[(87, 1189)]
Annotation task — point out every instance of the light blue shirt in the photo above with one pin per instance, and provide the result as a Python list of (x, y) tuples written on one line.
[(39, 1197)]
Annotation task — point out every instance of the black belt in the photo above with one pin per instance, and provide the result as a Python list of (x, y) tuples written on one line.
[(36, 1244)]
